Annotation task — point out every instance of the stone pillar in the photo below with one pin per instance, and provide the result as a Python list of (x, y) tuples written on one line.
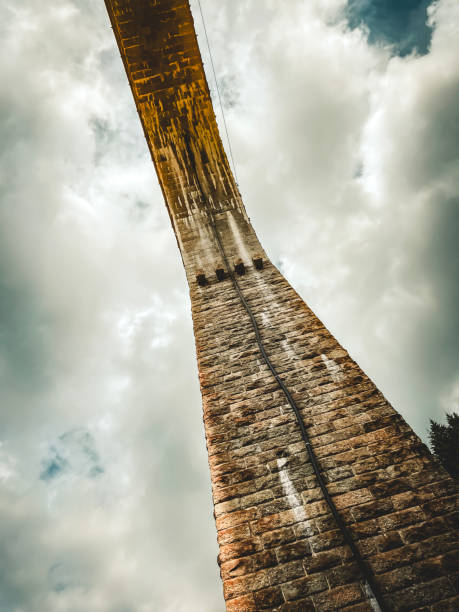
[(280, 548)]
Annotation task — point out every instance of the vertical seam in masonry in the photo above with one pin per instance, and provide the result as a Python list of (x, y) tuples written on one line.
[(371, 588)]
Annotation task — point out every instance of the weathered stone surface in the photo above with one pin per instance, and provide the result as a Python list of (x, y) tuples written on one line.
[(426, 593), (298, 589), (280, 548), (338, 598), (268, 599), (246, 603)]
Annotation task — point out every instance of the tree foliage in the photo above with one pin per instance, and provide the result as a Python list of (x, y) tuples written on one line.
[(444, 440)]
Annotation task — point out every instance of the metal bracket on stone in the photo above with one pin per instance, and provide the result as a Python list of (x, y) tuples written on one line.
[(221, 274), (240, 267), (201, 278), (257, 262)]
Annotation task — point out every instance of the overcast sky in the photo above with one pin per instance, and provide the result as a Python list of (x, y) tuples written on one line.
[(344, 125)]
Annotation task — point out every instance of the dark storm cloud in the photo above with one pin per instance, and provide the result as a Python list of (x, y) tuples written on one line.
[(402, 23)]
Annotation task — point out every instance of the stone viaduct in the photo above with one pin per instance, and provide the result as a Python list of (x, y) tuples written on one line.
[(281, 545)]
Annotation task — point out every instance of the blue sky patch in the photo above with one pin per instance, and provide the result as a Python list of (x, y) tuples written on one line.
[(401, 23), (65, 575), (73, 452), (53, 466)]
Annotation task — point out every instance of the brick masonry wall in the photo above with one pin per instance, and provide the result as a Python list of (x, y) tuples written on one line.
[(279, 546)]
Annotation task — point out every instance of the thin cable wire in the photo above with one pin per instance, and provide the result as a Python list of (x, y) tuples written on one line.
[(218, 92)]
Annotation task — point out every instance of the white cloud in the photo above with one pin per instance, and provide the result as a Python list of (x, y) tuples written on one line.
[(352, 188)]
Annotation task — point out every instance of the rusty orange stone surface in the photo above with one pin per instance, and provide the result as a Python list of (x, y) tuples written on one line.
[(280, 548)]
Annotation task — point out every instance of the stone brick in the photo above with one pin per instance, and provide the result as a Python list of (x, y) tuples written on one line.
[(246, 603), (343, 574), (266, 558), (325, 523), (424, 571), (452, 520), (233, 534), (279, 536), (365, 529), (450, 605), (255, 499), (267, 599), (286, 572), (235, 518), (438, 545), (389, 541), (440, 506), (423, 530), (237, 567), (273, 521), (406, 555), (302, 605), (322, 561), (238, 586), (353, 498), (297, 550), (305, 529), (299, 589), (228, 506), (450, 561), (240, 549), (427, 593), (327, 540), (401, 519), (390, 487), (338, 598), (454, 579), (372, 510), (365, 606), (248, 565)]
